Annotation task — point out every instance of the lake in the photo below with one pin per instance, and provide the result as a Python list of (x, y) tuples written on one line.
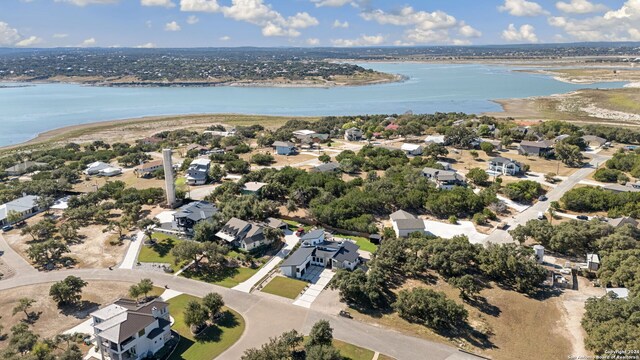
[(28, 111)]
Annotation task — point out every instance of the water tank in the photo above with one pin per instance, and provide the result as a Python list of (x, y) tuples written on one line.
[(539, 250)]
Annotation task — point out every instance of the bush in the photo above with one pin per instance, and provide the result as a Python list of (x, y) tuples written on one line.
[(430, 308), (262, 159), (453, 219), (608, 175), (523, 191)]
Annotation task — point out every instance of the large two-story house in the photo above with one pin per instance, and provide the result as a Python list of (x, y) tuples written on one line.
[(198, 172), (444, 179), (504, 166), (248, 235), (126, 330), (538, 148), (187, 216), (405, 223), (317, 251)]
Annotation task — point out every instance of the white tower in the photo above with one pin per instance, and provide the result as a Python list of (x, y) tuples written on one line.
[(169, 185)]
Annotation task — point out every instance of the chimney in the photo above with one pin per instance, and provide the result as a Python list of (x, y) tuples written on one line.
[(170, 189)]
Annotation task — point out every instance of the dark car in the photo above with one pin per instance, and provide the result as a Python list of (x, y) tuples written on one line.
[(582, 217), (7, 228), (542, 198)]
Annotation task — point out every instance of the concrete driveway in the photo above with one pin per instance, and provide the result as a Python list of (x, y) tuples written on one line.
[(447, 231), (320, 279)]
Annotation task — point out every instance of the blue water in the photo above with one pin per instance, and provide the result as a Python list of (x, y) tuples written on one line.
[(27, 111)]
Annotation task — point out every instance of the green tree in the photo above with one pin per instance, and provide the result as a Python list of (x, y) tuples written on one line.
[(321, 334), (144, 287), (430, 308), (14, 217), (570, 155), (23, 305), (324, 158), (322, 352), (213, 303), (216, 173), (435, 151), (467, 285), (195, 316), (147, 225), (67, 291), (48, 253), (487, 147), (477, 176)]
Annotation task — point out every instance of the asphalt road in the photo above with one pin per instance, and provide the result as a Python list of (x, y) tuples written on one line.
[(502, 236)]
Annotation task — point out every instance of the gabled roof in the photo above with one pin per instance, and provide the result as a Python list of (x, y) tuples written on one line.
[(287, 144), (331, 166), (348, 252), (313, 234), (20, 205), (503, 160), (149, 165), (299, 256), (537, 144), (275, 223), (623, 220), (97, 166), (593, 258), (232, 229), (410, 147), (410, 224), (125, 318), (253, 186), (22, 167), (401, 214), (196, 211), (593, 138)]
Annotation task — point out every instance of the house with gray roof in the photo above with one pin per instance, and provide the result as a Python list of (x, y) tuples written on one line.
[(443, 179), (132, 331), (353, 134), (621, 221), (26, 207), (187, 216), (284, 147), (327, 167), (503, 166), (198, 172), (539, 148), (100, 168), (247, 235), (594, 141), (23, 168), (328, 254), (405, 223), (621, 188)]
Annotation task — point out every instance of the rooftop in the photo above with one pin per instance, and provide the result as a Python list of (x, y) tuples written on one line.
[(196, 211), (401, 214), (253, 186)]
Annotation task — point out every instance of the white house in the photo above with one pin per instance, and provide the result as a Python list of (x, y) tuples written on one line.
[(198, 172), (328, 254), (148, 168), (593, 262), (26, 206), (247, 235), (100, 168), (353, 134), (444, 179), (405, 223), (434, 139), (131, 331), (504, 166), (412, 149)]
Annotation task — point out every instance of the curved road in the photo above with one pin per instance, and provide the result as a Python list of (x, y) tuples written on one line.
[(264, 316)]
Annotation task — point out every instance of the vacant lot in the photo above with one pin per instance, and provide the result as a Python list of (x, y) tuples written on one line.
[(160, 252), (285, 287), (213, 341), (52, 320), (518, 324)]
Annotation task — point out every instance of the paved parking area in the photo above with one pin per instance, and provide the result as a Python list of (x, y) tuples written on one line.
[(320, 280), (448, 231)]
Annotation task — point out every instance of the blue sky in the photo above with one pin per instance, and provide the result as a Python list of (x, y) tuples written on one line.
[(191, 23)]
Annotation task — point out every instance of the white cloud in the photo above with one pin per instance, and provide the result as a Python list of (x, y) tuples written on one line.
[(621, 24), (148, 24), (580, 7), (422, 26), (225, 38), (8, 35), (30, 41), (192, 20), (199, 5), (172, 26), (163, 3), (331, 3), (313, 41), (87, 2), (522, 8), (255, 12), (339, 24), (60, 36), (526, 33), (148, 45), (364, 40), (88, 42)]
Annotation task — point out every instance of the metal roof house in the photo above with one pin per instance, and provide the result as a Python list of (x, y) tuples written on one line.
[(405, 223), (23, 168), (539, 148), (126, 330), (353, 134), (252, 187), (444, 179), (328, 167), (198, 172), (100, 168), (187, 216), (284, 147), (26, 206), (328, 254)]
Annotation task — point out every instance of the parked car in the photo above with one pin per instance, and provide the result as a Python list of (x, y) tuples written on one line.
[(7, 228), (582, 217), (345, 314), (542, 198), (541, 216), (503, 226)]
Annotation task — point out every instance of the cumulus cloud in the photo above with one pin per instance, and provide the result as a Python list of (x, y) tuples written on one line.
[(526, 33), (30, 41), (225, 38), (172, 26), (87, 2), (580, 7), (88, 42), (332, 3), (255, 12), (622, 24), (163, 3), (422, 26), (8, 35), (338, 24), (60, 36), (364, 40), (192, 20), (522, 8), (313, 41), (148, 45)]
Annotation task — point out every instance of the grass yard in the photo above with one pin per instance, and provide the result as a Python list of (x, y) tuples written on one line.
[(228, 278), (385, 357), (285, 287), (293, 225), (213, 341), (161, 251), (364, 243), (352, 352)]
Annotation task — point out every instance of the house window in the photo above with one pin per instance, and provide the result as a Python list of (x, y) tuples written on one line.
[(141, 333)]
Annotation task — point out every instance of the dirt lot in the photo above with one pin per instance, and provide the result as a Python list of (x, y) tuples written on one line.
[(93, 251), (464, 161), (127, 176), (282, 160), (52, 320), (522, 327)]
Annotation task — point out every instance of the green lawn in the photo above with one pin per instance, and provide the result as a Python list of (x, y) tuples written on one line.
[(285, 287), (364, 243), (181, 181), (161, 251), (352, 352), (213, 341), (229, 278), (293, 225)]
